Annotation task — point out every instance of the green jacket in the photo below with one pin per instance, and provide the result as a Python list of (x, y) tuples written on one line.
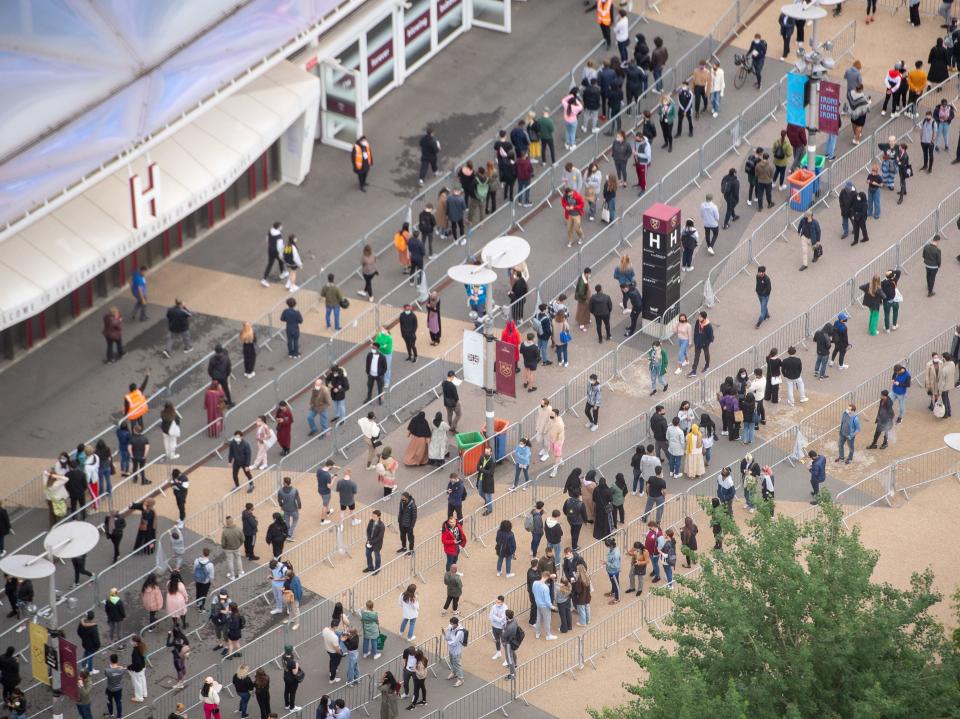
[(454, 584), (787, 152), (616, 496), (370, 623), (384, 341), (331, 294), (546, 127)]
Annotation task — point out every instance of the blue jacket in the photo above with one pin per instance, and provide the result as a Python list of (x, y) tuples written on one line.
[(458, 493), (809, 229), (900, 382), (852, 423), (506, 545), (541, 594), (702, 336), (521, 455), (818, 469), (520, 140)]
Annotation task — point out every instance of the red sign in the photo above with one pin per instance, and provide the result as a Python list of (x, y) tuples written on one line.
[(143, 201), (379, 56), (445, 6), (69, 671), (506, 369), (828, 111), (416, 27), (661, 218)]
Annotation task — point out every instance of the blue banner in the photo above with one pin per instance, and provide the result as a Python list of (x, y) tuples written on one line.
[(796, 114)]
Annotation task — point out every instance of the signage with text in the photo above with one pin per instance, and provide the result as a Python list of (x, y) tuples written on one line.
[(828, 111), (417, 26), (473, 357), (662, 253), (145, 202)]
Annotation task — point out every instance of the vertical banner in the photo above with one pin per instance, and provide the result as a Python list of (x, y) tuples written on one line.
[(473, 357), (796, 115), (38, 645), (506, 374), (662, 253), (69, 672), (828, 111)]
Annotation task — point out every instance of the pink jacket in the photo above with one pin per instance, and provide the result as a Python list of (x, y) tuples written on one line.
[(152, 599), (177, 603), (685, 331)]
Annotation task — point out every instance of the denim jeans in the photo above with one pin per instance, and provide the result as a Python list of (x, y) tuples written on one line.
[(87, 662), (612, 206), (516, 475), (715, 101), (293, 344), (487, 501), (244, 701), (901, 400), (291, 519), (820, 366), (369, 646), (830, 146), (389, 373), (657, 74), (353, 665), (583, 610), (650, 502), (105, 485), (848, 441), (614, 584), (523, 196), (655, 377), (682, 350), (943, 132), (543, 346), (556, 549), (451, 559), (590, 120), (413, 623), (535, 543), (764, 301), (748, 498), (674, 460), (570, 133), (844, 226), (312, 420), (339, 408), (669, 572), (501, 561), (746, 432), (335, 311), (655, 563), (373, 558), (562, 355), (873, 203)]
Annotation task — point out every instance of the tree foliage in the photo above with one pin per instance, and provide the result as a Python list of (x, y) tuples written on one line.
[(786, 622)]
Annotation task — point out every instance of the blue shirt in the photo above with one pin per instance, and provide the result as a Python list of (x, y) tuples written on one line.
[(900, 382), (522, 455), (323, 481), (541, 594), (138, 284)]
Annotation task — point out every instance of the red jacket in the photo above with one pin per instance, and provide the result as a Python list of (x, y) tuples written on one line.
[(524, 169), (450, 545), (572, 208)]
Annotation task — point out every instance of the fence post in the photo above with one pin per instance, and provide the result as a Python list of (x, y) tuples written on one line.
[(738, 13), (936, 222)]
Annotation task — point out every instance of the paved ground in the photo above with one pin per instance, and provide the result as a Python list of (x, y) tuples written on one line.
[(543, 232)]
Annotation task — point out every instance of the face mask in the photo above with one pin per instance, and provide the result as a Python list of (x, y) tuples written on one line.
[(406, 312), (237, 439)]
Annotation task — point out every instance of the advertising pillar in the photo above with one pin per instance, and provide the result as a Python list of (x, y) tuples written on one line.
[(661, 259)]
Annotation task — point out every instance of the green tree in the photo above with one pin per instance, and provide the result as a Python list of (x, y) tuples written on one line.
[(786, 622)]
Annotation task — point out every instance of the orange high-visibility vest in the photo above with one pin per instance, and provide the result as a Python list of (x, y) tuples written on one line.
[(361, 152), (137, 404), (604, 14)]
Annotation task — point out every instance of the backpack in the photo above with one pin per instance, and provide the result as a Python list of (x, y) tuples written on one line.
[(199, 572), (750, 166), (778, 152), (518, 639), (528, 522), (481, 190), (908, 381)]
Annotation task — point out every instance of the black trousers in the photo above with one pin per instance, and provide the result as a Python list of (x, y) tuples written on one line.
[(458, 510), (136, 465), (237, 469), (411, 343), (860, 225), (575, 534), (248, 543), (700, 94), (533, 609), (225, 386), (931, 277), (455, 226), (605, 31), (730, 213), (601, 322), (362, 178), (406, 537), (696, 357), (273, 256), (634, 315), (838, 352), (711, 233), (545, 143), (203, 588), (290, 688), (181, 498), (684, 114), (425, 163), (455, 601), (667, 132), (378, 381)]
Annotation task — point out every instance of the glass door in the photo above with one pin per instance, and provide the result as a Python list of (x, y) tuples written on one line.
[(492, 14), (341, 119)]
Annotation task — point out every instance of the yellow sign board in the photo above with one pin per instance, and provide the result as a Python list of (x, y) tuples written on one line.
[(38, 641)]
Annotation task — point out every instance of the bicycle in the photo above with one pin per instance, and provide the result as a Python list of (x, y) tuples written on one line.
[(744, 69)]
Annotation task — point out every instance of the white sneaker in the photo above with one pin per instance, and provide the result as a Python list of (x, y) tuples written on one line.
[(95, 671), (229, 575), (783, 187), (594, 428), (709, 252), (830, 363), (355, 522), (499, 573), (276, 611), (690, 268), (588, 425), (326, 521), (714, 114), (678, 371), (749, 202), (293, 288), (361, 293), (506, 664), (284, 275), (510, 574), (495, 656), (412, 639), (844, 366), (377, 655), (804, 399), (264, 283), (551, 637)]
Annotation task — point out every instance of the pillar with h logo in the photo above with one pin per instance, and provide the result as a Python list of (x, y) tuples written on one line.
[(662, 253)]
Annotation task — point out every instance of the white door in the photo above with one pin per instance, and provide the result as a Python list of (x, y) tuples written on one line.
[(492, 14), (341, 117)]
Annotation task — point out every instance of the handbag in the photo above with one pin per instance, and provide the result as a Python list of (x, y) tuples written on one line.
[(897, 297), (344, 303), (381, 641), (174, 430), (605, 214), (774, 381), (938, 409), (817, 251), (738, 416), (565, 337)]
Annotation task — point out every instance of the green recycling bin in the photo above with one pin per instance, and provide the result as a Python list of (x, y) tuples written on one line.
[(470, 446)]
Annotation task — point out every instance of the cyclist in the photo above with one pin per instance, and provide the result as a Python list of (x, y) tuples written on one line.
[(758, 53)]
